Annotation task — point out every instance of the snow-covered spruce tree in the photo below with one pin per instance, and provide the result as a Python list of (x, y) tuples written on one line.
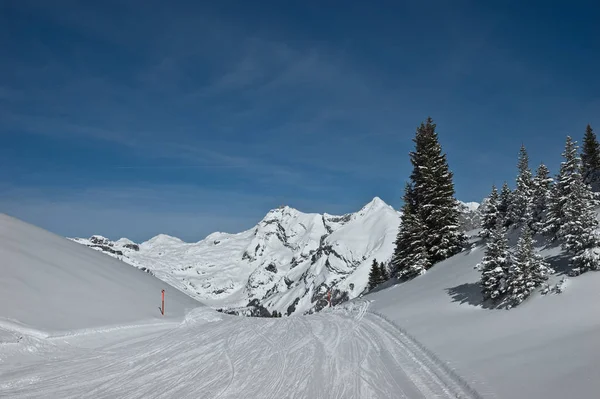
[(504, 204), (522, 198), (577, 229), (542, 184), (374, 277), (410, 257), (407, 232), (590, 159), (434, 194), (383, 273), (495, 264), (490, 213), (527, 271), (561, 192), (571, 217)]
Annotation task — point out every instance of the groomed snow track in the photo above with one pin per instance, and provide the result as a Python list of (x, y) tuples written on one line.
[(345, 352)]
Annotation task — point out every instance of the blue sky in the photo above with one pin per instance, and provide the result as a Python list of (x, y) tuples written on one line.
[(133, 118)]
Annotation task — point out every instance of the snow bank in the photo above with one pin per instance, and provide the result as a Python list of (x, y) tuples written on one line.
[(50, 283), (546, 347)]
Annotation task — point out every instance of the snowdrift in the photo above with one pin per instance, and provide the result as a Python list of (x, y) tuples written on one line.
[(49, 283)]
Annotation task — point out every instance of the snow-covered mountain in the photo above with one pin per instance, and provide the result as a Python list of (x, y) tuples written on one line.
[(288, 262)]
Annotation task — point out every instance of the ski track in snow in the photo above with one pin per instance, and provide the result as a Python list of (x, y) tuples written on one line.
[(343, 352)]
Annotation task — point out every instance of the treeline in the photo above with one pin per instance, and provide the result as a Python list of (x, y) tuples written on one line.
[(561, 209)]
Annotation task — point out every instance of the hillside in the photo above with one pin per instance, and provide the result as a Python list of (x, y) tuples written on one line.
[(49, 283), (80, 324), (544, 348), (430, 337), (287, 262)]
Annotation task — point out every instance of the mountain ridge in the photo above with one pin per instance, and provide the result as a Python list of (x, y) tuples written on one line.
[(288, 262)]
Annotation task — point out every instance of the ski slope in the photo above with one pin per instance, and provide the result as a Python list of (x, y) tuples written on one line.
[(82, 324), (431, 337), (344, 353)]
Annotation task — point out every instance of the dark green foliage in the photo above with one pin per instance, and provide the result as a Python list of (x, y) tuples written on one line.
[(542, 183), (590, 158), (430, 230), (527, 271), (495, 264), (571, 216), (491, 216), (505, 200), (374, 275), (519, 210), (383, 273)]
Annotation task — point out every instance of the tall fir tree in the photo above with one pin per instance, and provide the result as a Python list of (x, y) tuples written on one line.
[(504, 204), (527, 271), (495, 264), (491, 214), (542, 184), (383, 273), (590, 159), (522, 198), (434, 195), (410, 257), (374, 277), (571, 218), (410, 231), (562, 193)]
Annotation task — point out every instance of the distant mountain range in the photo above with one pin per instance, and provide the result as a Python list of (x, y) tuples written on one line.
[(288, 262)]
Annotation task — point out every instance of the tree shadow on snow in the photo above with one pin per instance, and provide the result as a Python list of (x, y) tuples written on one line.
[(560, 264), (469, 293)]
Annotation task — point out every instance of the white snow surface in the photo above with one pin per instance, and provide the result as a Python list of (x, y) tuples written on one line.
[(288, 257), (426, 338), (547, 347), (52, 284)]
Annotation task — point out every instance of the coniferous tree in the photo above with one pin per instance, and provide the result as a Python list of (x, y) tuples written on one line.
[(374, 277), (434, 194), (576, 222), (411, 254), (522, 198), (527, 271), (570, 217), (419, 263), (590, 158), (491, 214), (409, 233), (542, 184), (383, 273), (495, 264), (504, 204), (429, 230)]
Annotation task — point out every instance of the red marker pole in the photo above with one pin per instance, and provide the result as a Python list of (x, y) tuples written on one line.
[(329, 297), (162, 309)]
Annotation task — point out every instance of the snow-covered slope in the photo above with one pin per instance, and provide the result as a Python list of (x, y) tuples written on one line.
[(547, 347), (430, 337), (76, 323), (288, 262), (49, 283)]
